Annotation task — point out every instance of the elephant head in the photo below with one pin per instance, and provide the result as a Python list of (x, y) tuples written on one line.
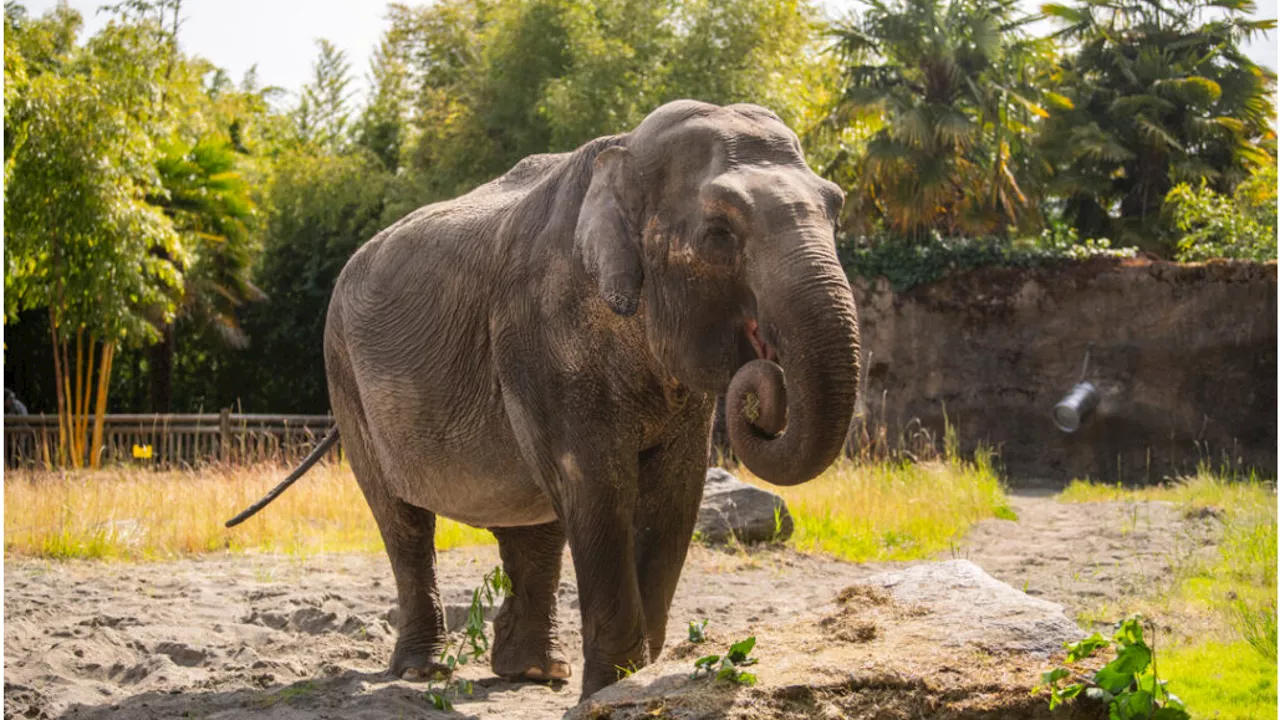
[(709, 219)]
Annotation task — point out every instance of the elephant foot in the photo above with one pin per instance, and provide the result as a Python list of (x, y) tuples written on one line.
[(530, 661), (419, 664)]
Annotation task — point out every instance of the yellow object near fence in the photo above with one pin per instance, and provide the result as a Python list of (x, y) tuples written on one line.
[(174, 441)]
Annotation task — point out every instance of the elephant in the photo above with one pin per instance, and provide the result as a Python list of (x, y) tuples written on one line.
[(541, 357)]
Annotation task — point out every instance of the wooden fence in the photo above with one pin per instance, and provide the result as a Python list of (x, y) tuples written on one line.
[(174, 441)]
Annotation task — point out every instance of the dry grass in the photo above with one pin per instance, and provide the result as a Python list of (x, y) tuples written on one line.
[(132, 514), (891, 510), (881, 511)]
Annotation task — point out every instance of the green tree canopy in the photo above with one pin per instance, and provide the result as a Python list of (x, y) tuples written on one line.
[(1153, 93), (492, 82), (80, 236), (941, 95)]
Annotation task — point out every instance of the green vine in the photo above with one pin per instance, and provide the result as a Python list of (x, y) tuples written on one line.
[(907, 264)]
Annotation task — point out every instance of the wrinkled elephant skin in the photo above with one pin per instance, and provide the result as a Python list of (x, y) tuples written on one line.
[(541, 355)]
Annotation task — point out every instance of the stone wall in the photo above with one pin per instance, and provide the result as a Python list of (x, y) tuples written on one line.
[(1184, 357)]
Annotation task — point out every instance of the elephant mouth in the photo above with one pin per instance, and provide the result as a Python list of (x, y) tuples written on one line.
[(755, 335), (765, 407)]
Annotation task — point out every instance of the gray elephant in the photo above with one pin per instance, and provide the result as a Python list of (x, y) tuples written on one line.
[(540, 357)]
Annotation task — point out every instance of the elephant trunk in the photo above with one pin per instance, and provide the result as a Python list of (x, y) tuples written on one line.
[(810, 397)]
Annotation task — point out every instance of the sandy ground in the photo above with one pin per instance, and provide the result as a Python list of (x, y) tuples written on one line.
[(278, 637)]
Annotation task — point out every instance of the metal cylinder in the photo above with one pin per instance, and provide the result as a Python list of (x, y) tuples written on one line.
[(1075, 407)]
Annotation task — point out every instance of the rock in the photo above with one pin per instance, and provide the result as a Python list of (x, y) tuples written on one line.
[(934, 640), (969, 607), (732, 507)]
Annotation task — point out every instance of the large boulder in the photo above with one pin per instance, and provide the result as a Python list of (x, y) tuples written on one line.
[(939, 640), (732, 508)]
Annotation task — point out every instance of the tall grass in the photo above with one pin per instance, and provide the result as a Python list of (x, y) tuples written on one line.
[(891, 510), (1226, 668), (129, 514)]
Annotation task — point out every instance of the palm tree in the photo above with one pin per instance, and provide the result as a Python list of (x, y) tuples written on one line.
[(211, 208), (1153, 94), (943, 90)]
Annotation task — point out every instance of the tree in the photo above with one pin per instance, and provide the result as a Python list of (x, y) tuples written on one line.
[(493, 82), (323, 208), (210, 205), (1155, 92), (80, 238), (381, 126), (321, 115), (939, 96)]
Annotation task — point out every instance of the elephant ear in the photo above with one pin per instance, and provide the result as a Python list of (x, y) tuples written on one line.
[(606, 241)]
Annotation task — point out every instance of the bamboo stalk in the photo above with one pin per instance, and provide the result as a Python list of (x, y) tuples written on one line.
[(87, 393), (63, 432), (99, 416), (77, 439)]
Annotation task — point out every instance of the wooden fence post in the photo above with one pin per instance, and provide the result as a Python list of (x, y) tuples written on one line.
[(224, 427)]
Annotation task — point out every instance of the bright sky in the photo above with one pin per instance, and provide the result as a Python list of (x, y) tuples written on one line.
[(279, 35)]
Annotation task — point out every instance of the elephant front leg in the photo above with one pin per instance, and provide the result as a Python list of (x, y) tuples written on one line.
[(597, 518), (671, 480)]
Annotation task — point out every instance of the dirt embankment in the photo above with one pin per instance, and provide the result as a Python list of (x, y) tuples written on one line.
[(270, 637), (1184, 357)]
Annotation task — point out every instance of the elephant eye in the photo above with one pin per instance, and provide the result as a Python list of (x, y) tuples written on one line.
[(719, 243)]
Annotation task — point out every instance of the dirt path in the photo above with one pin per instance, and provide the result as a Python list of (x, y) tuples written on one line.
[(1088, 557), (275, 637)]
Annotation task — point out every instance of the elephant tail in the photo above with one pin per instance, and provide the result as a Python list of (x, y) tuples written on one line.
[(319, 451)]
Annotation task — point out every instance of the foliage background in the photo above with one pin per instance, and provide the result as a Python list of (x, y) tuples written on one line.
[(201, 220)]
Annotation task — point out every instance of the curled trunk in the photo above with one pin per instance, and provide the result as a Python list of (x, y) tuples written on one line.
[(787, 423)]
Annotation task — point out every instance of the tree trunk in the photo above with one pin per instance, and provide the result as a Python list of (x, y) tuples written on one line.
[(161, 356)]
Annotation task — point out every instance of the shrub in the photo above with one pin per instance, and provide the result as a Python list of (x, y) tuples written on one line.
[(1240, 226), (907, 264)]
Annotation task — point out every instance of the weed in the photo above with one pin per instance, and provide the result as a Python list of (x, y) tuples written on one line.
[(287, 694), (441, 690), (698, 631), (1128, 685), (626, 671), (1257, 626), (727, 667)]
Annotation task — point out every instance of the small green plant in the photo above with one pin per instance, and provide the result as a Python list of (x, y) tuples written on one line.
[(441, 689), (777, 524), (1128, 685), (698, 631), (727, 667), (626, 671), (286, 695), (1257, 626)]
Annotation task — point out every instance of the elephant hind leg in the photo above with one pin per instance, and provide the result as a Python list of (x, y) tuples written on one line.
[(526, 644), (408, 532)]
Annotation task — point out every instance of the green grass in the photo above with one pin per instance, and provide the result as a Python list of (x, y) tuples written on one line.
[(891, 510), (1223, 680), (1222, 609)]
